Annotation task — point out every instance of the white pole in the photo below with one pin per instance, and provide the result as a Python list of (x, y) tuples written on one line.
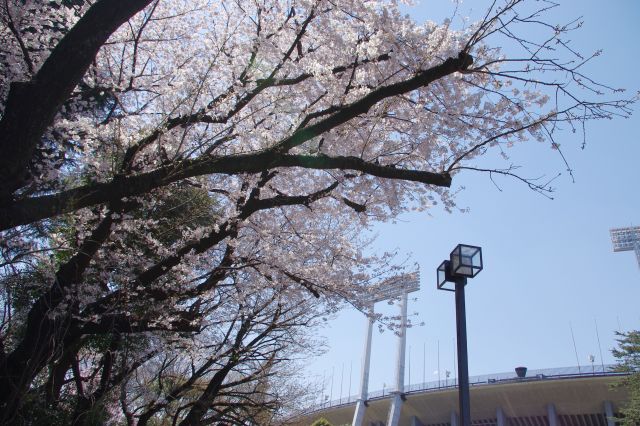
[(424, 363), (396, 405), (358, 416)]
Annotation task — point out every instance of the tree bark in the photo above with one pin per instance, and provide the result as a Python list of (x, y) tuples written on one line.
[(31, 106), (29, 210)]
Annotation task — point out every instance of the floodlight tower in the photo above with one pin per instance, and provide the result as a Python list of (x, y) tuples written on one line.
[(626, 239), (396, 287)]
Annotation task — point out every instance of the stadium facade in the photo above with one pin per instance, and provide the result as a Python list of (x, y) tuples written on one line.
[(550, 397)]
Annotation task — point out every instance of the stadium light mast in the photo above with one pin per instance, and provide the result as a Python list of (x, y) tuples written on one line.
[(395, 287), (464, 262), (626, 239)]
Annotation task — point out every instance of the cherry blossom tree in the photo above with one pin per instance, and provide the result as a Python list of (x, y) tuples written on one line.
[(162, 163)]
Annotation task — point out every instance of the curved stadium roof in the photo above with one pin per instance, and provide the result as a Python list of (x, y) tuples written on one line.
[(554, 397)]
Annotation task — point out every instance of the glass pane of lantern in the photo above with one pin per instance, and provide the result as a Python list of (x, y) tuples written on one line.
[(464, 271), (466, 260), (441, 274), (475, 259), (456, 262), (471, 256)]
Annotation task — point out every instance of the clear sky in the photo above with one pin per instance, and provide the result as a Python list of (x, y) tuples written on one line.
[(549, 265)]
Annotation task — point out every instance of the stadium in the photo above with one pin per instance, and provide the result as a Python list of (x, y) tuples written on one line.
[(551, 397)]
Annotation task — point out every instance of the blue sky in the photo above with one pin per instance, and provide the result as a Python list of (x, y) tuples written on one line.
[(549, 266)]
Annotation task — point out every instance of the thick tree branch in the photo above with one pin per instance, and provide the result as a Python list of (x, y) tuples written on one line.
[(348, 112), (32, 209)]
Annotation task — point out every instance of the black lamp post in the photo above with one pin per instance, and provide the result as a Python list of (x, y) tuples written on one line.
[(464, 262)]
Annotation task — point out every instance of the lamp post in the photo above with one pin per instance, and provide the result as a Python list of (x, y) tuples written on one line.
[(592, 359), (464, 262)]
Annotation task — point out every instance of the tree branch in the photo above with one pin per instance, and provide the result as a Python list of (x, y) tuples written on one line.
[(29, 210)]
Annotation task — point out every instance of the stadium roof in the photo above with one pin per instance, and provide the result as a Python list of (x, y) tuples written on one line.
[(581, 398)]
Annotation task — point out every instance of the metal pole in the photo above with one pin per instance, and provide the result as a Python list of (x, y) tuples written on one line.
[(331, 391), (402, 344), (463, 361), (424, 364), (361, 405), (350, 372), (341, 380), (575, 348), (323, 385), (438, 364), (455, 365), (599, 345), (396, 404)]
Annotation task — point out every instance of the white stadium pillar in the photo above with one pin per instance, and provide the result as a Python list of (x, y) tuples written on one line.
[(396, 404), (455, 419), (552, 415), (415, 421), (608, 412), (500, 417), (361, 404)]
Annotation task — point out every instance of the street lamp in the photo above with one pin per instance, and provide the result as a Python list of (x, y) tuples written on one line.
[(464, 262), (592, 359)]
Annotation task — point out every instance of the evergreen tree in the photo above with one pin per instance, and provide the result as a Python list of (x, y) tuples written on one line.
[(628, 355)]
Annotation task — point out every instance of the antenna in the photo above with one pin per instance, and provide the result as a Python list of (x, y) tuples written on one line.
[(454, 362), (350, 371), (331, 391), (574, 346), (323, 386), (438, 363), (599, 345), (424, 363), (341, 377)]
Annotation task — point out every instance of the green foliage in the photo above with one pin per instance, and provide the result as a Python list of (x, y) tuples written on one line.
[(628, 355), (321, 422), (24, 289), (39, 413), (186, 207)]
